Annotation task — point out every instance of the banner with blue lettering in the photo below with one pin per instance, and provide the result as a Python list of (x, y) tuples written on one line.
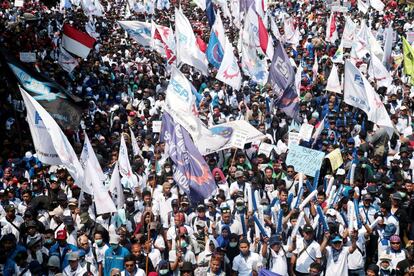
[(191, 171), (54, 98)]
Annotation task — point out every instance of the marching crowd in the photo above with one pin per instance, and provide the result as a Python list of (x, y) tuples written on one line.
[(50, 227)]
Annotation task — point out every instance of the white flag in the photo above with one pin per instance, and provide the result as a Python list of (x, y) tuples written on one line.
[(201, 4), (93, 179), (364, 43), (315, 68), (349, 33), (389, 38), (378, 71), (358, 92), (66, 61), (57, 143), (275, 29), (318, 130), (229, 71), (298, 78), (235, 11), (115, 187), (123, 159), (135, 148), (377, 5), (362, 7), (187, 49), (139, 31), (339, 54), (333, 83)]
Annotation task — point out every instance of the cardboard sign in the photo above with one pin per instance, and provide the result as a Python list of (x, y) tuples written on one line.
[(266, 149), (27, 57), (239, 139), (18, 3), (293, 139), (305, 132), (335, 157), (305, 160)]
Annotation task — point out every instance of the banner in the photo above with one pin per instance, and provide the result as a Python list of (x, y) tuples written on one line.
[(50, 95), (335, 157), (66, 61), (304, 160), (191, 171), (28, 57)]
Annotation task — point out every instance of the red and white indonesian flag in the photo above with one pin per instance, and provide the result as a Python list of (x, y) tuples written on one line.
[(77, 42), (254, 25)]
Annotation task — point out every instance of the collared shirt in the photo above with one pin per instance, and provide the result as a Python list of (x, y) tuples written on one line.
[(245, 265)]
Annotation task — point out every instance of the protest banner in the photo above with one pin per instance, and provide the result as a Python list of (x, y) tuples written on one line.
[(266, 148), (156, 126), (335, 157), (305, 160), (305, 132), (27, 57), (293, 139), (239, 139)]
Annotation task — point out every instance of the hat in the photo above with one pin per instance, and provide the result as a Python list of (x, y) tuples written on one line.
[(239, 200), (264, 201), (187, 266), (73, 202), (403, 108), (200, 223), (385, 257), (53, 178), (331, 212), (53, 261), (395, 238), (33, 241), (57, 212), (201, 207), (274, 240), (10, 208), (31, 223), (84, 217), (61, 235), (113, 239), (307, 228), (73, 256), (350, 140), (367, 197), (396, 196), (238, 174), (389, 230), (166, 185), (337, 239)]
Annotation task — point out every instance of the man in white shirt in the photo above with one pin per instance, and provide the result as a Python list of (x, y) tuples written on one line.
[(337, 254), (247, 262), (74, 268), (275, 255), (10, 224)]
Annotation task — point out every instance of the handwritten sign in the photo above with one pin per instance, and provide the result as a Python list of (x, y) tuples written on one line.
[(305, 160), (27, 57), (335, 157), (156, 126), (305, 132), (18, 3), (239, 139), (293, 138)]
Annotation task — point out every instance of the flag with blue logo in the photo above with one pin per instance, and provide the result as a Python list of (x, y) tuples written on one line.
[(214, 51), (282, 80), (191, 171), (139, 31), (54, 98)]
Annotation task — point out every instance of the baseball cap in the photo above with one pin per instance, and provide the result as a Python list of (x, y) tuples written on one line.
[(73, 256), (307, 228), (367, 197), (385, 257), (274, 240), (396, 196), (10, 208), (73, 202), (53, 261), (395, 238), (61, 235), (337, 239), (238, 174)]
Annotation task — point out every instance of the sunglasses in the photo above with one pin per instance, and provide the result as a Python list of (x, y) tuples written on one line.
[(395, 243), (225, 211)]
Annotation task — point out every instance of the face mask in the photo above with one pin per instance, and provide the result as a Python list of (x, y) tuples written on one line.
[(164, 271), (171, 181), (48, 241), (265, 207), (98, 242), (239, 207), (200, 231), (184, 244), (167, 170), (233, 244)]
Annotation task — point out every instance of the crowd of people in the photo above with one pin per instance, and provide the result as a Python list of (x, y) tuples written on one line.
[(50, 227)]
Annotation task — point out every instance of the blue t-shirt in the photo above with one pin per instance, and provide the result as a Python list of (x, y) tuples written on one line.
[(114, 259)]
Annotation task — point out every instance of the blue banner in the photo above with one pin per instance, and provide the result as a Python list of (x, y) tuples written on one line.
[(211, 16), (191, 171)]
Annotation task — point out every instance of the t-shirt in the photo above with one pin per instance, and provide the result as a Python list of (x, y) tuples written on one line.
[(356, 260), (245, 265), (277, 261), (340, 267), (188, 256), (306, 257)]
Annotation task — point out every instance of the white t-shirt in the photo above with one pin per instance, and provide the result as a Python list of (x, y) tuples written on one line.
[(235, 227), (187, 257), (356, 260), (308, 256), (245, 266), (340, 267), (277, 261)]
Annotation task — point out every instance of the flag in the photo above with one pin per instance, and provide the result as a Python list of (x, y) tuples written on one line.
[(315, 68), (266, 41), (363, 7), (339, 54), (333, 83), (358, 92), (77, 42), (54, 98), (408, 52), (377, 5), (135, 148), (378, 71), (52, 146), (66, 61), (388, 38), (318, 130), (191, 171), (187, 50), (163, 4), (291, 34), (365, 43), (156, 41), (298, 77), (139, 31), (282, 80), (93, 179), (90, 8), (91, 29), (264, 272), (235, 11), (331, 32), (349, 33), (211, 17), (116, 188), (225, 8), (214, 50), (201, 4), (123, 159), (229, 71), (275, 29), (255, 27)]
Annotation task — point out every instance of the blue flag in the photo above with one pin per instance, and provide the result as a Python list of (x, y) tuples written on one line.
[(282, 79), (191, 171), (214, 51), (211, 17), (265, 272)]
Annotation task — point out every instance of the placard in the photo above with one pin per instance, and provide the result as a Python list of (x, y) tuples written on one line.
[(27, 57), (156, 126), (305, 160), (293, 138), (239, 139), (335, 157), (266, 148), (305, 132), (18, 3)]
